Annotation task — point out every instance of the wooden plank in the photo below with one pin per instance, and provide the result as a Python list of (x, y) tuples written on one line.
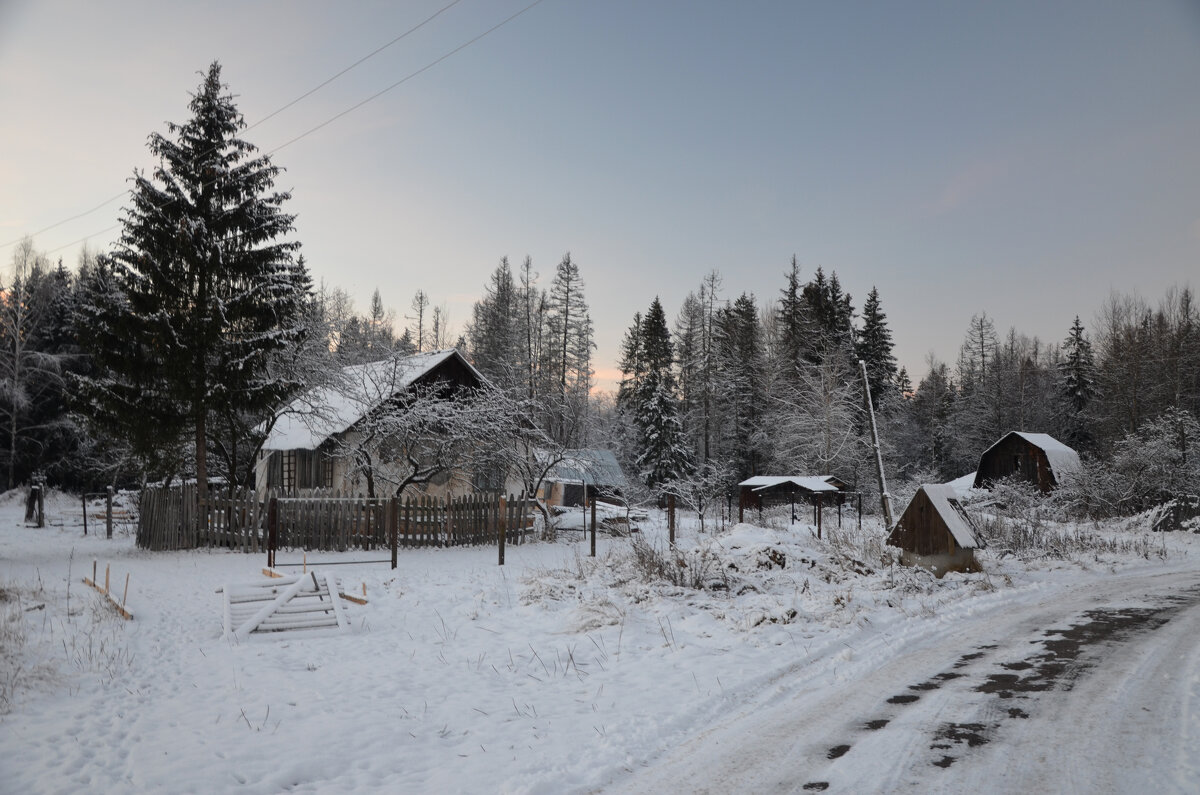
[(335, 600), (243, 631)]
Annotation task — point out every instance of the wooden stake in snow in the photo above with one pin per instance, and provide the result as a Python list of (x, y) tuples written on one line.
[(885, 499), (118, 606)]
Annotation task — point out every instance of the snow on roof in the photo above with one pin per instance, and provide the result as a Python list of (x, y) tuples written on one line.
[(945, 502), (593, 467), (965, 483), (324, 411), (1063, 460), (811, 482)]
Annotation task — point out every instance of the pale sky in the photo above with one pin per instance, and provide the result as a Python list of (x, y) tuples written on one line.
[(1022, 159)]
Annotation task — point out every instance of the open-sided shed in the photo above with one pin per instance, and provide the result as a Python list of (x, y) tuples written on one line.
[(935, 532), (765, 491), (1036, 457)]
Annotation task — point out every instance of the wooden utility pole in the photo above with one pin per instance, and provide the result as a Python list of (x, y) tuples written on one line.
[(671, 518), (593, 552), (885, 499)]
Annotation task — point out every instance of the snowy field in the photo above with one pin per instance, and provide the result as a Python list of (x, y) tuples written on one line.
[(554, 673)]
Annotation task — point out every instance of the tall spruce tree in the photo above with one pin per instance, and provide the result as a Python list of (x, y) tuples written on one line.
[(662, 450), (793, 329), (1077, 370), (739, 395), (874, 346), (201, 290), (494, 332)]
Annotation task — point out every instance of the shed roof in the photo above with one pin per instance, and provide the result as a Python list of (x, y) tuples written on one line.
[(593, 467), (808, 483), (1063, 460), (944, 499), (322, 412)]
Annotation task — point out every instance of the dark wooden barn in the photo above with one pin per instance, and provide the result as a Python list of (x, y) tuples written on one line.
[(935, 532), (1036, 457)]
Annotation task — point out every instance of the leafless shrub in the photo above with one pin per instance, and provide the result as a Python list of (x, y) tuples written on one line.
[(700, 569)]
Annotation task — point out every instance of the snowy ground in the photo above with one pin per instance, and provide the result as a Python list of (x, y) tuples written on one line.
[(557, 673)]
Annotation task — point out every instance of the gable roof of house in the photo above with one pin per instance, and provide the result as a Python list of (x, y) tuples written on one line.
[(808, 483), (1063, 460), (594, 467), (944, 499), (325, 411)]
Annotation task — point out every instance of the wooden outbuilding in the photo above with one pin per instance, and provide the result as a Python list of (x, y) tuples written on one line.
[(1036, 457), (581, 476), (936, 533), (766, 491)]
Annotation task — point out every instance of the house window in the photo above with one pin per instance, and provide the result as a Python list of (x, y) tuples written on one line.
[(1016, 463), (302, 469), (288, 481)]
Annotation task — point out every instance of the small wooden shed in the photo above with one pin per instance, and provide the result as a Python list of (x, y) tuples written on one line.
[(935, 532), (581, 476), (765, 491), (1036, 457)]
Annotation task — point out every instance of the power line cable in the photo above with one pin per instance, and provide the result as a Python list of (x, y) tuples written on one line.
[(405, 79), (351, 109), (357, 63), (264, 119)]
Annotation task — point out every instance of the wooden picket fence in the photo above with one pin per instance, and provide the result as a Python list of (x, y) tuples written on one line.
[(173, 518)]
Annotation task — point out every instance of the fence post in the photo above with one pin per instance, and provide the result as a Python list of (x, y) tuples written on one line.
[(41, 504), (272, 530), (671, 518), (84, 499), (593, 552), (393, 523), (108, 511), (503, 526)]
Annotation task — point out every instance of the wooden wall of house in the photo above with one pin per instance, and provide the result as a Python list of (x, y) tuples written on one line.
[(1014, 455), (921, 529)]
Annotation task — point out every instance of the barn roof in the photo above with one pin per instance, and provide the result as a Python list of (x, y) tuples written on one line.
[(1063, 460), (944, 499), (322, 412), (809, 483), (595, 467)]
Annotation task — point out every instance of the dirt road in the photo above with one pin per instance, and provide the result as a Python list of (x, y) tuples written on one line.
[(1093, 690)]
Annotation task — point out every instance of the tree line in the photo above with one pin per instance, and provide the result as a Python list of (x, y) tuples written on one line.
[(169, 355)]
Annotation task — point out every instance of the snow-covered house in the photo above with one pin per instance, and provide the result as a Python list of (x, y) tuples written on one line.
[(581, 475), (764, 491), (1036, 457), (935, 532), (309, 445)]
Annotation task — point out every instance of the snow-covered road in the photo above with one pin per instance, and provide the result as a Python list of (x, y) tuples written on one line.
[(1088, 689)]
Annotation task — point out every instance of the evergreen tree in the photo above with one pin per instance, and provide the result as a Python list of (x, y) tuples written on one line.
[(36, 351), (739, 396), (874, 346), (633, 366), (1078, 378), (493, 332), (201, 291), (793, 327), (689, 341), (662, 453), (831, 315)]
